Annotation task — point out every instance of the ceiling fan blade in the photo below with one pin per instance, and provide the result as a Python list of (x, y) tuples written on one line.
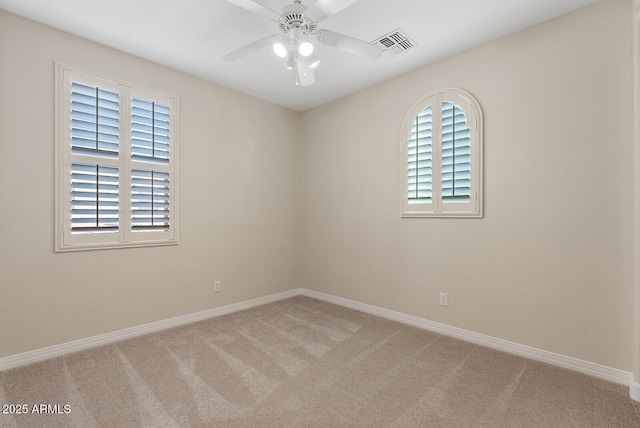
[(322, 9), (349, 44), (306, 77), (251, 47), (256, 7)]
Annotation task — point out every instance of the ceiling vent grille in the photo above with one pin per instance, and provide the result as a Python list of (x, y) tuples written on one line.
[(394, 43)]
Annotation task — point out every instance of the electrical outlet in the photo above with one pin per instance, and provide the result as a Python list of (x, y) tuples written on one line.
[(444, 299), (217, 285)]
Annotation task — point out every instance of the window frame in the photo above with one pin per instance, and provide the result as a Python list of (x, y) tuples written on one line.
[(125, 236), (474, 119)]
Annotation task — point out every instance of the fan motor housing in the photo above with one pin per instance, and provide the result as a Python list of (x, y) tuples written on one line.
[(293, 17)]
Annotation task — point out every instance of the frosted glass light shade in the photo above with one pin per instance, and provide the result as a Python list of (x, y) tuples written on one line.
[(305, 48), (280, 50)]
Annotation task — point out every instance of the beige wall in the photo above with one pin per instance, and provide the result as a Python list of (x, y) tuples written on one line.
[(551, 264), (239, 205)]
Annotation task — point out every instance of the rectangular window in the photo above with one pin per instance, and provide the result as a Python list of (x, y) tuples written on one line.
[(115, 163)]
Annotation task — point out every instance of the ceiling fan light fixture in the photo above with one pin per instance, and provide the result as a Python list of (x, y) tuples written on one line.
[(298, 33), (304, 74), (280, 49), (305, 47), (290, 62), (313, 61)]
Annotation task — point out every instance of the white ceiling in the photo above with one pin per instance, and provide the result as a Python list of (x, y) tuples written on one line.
[(193, 35)]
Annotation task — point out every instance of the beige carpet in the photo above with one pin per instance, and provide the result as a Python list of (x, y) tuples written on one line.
[(302, 362)]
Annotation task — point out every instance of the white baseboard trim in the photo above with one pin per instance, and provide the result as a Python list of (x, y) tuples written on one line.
[(634, 390), (18, 360), (591, 369)]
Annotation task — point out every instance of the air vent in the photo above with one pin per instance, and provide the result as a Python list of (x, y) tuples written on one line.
[(394, 43)]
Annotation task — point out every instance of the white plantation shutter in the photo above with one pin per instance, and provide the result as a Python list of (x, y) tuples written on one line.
[(443, 153), (115, 163), (456, 155), (151, 183), (94, 198), (419, 158), (94, 134), (94, 121), (149, 200), (150, 130)]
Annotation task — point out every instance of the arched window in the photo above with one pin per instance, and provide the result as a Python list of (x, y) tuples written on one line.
[(442, 146)]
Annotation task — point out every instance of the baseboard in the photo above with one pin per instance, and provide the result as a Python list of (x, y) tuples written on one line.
[(18, 360), (591, 369), (634, 390)]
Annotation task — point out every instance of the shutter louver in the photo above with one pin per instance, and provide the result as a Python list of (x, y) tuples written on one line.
[(149, 131), (456, 155), (94, 121), (419, 158), (94, 198), (149, 200)]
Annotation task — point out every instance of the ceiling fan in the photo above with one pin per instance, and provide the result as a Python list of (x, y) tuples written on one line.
[(298, 26)]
